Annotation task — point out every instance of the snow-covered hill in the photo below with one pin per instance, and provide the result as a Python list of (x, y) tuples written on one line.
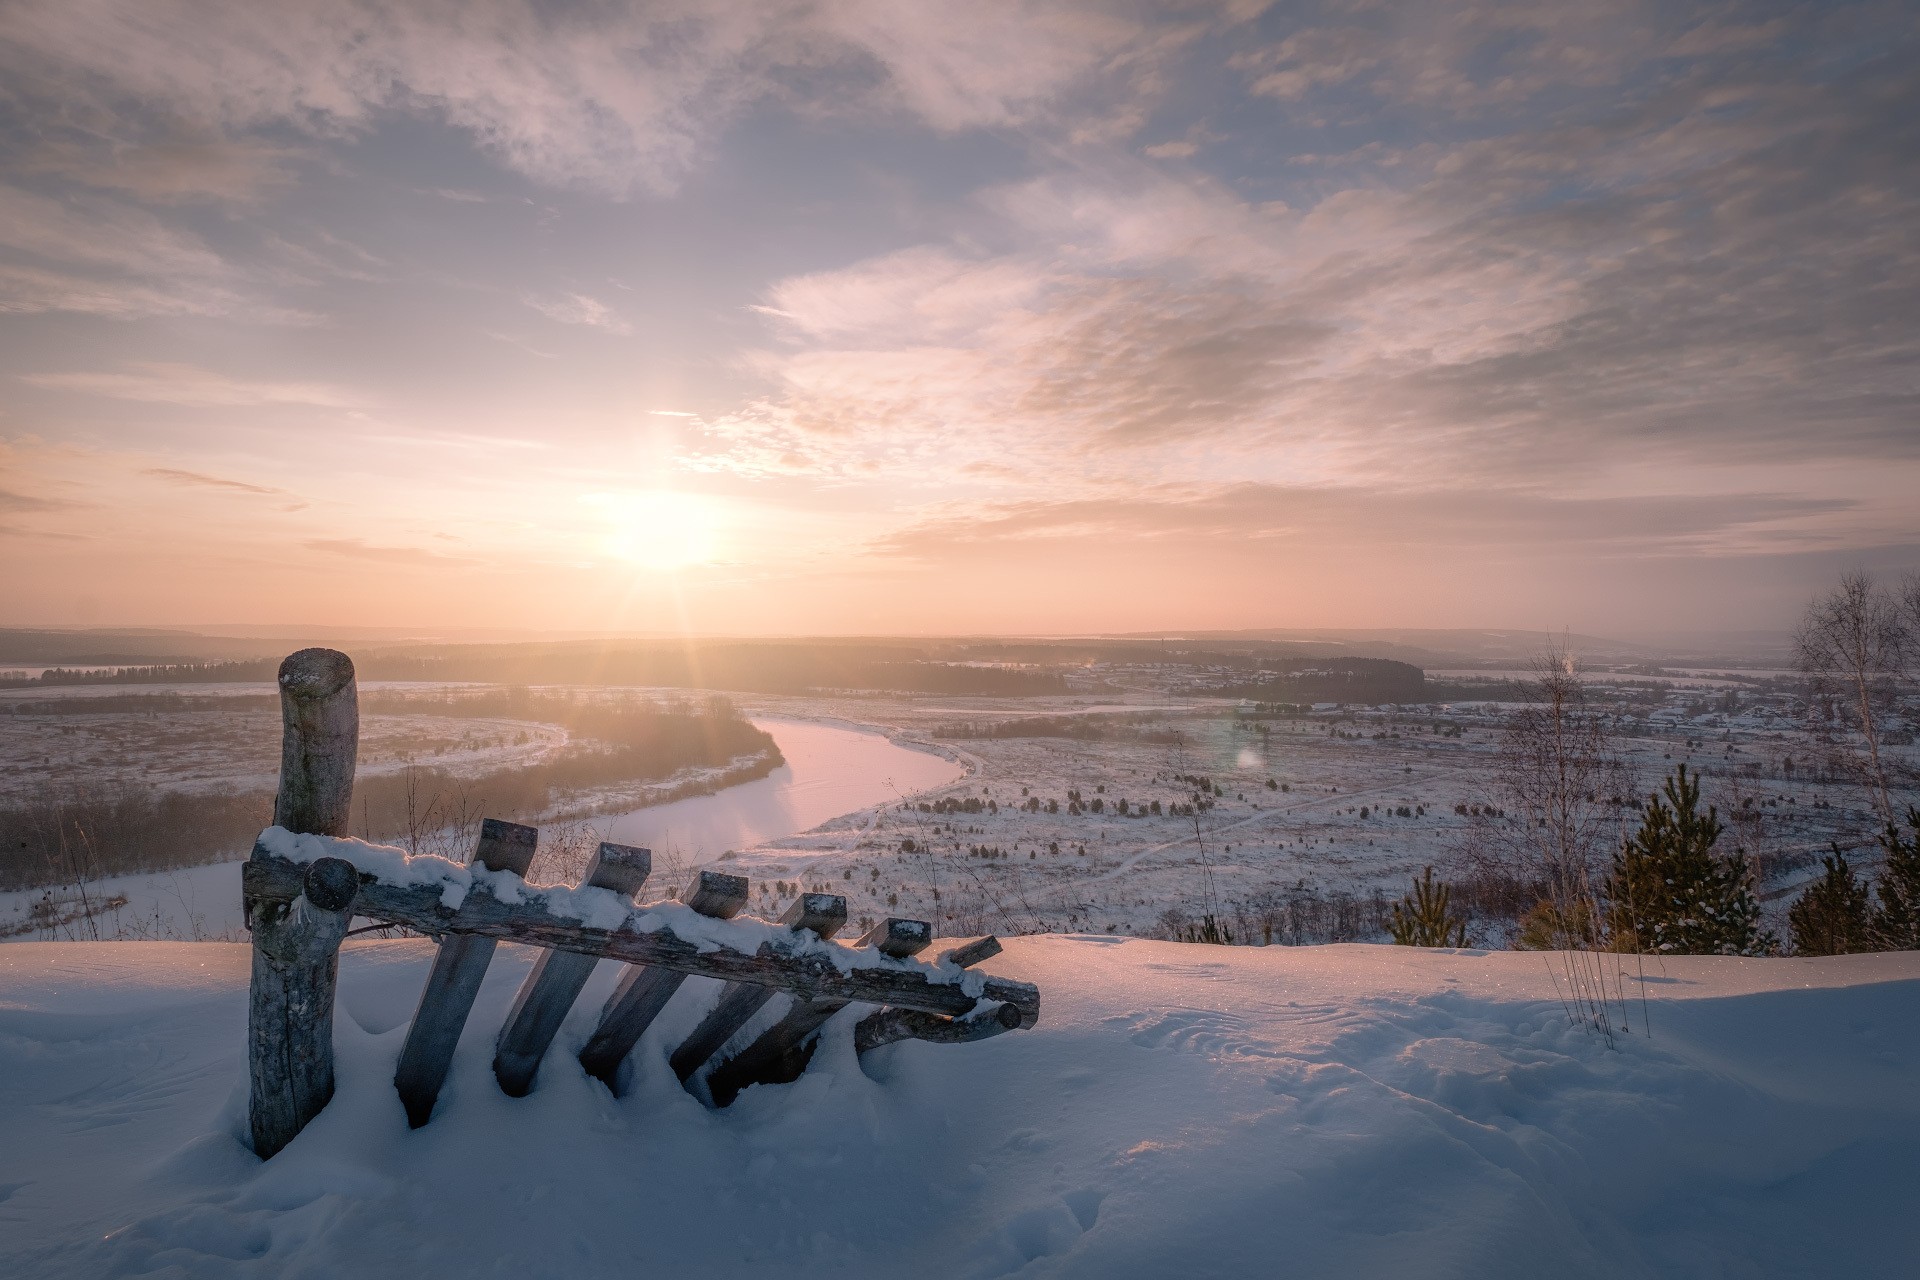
[(1180, 1110)]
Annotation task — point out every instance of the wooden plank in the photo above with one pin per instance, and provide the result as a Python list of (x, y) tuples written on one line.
[(645, 989), (420, 907), (972, 953), (320, 737), (821, 914), (458, 970), (889, 1025), (884, 1026), (557, 977), (296, 965), (781, 1052)]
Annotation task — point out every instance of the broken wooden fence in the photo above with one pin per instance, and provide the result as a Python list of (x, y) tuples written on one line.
[(305, 882)]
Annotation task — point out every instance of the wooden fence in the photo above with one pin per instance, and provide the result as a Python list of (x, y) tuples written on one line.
[(305, 882)]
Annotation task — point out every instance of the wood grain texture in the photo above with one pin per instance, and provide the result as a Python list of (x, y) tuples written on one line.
[(890, 1025), (972, 953), (820, 914), (882, 1027), (458, 970), (644, 990), (549, 991), (296, 965), (319, 740), (780, 1054)]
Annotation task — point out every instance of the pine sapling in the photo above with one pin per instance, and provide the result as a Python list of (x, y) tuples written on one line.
[(1834, 917), (1897, 926), (1423, 918), (1671, 894)]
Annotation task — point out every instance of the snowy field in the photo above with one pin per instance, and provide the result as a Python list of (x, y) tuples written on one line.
[(1308, 828), (1305, 812), (1180, 1110)]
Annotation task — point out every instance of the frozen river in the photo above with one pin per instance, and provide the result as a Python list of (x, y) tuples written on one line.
[(830, 770)]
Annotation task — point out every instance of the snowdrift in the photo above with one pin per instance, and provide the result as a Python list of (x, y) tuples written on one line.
[(1191, 1110)]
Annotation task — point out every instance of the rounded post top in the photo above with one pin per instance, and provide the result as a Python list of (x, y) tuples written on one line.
[(331, 883), (312, 674)]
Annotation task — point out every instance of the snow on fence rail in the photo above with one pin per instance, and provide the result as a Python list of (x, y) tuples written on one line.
[(305, 882)]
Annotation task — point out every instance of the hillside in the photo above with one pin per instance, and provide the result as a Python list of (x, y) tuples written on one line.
[(1314, 1111)]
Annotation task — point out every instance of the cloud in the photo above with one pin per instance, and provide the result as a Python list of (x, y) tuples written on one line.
[(100, 233), (196, 479), (18, 531), (27, 503), (1693, 264), (359, 549), (1005, 64), (96, 254), (1321, 519), (578, 308), (617, 98), (167, 162), (156, 382)]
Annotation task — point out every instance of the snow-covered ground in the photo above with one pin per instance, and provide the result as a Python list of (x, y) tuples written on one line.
[(1327, 840), (1359, 803), (1180, 1110)]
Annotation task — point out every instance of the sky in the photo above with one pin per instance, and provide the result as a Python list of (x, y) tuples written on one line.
[(893, 316)]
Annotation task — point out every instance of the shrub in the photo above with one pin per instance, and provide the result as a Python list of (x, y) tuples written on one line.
[(1547, 928)]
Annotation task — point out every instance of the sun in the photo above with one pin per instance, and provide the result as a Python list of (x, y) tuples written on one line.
[(661, 531)]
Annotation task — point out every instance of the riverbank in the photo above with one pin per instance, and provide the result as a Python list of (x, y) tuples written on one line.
[(817, 773)]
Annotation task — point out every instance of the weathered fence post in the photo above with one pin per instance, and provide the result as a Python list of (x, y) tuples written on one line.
[(557, 977), (458, 970), (296, 945), (296, 964), (782, 1051), (320, 736), (644, 989), (822, 914)]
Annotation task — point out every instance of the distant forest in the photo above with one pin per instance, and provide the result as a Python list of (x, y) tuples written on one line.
[(618, 743), (1364, 680), (791, 667)]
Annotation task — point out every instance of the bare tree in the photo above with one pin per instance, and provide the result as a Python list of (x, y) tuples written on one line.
[(1566, 784), (1853, 645)]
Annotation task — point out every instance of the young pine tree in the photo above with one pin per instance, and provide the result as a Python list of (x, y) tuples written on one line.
[(1422, 918), (1834, 917), (1671, 894), (1897, 927)]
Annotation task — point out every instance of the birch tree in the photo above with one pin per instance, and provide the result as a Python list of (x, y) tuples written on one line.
[(1854, 644)]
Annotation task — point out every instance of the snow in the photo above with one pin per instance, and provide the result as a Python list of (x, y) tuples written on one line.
[(1314, 1111), (595, 907)]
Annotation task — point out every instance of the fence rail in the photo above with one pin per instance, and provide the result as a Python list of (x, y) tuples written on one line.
[(306, 882)]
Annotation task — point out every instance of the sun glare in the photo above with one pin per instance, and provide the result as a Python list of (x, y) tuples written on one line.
[(660, 531)]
